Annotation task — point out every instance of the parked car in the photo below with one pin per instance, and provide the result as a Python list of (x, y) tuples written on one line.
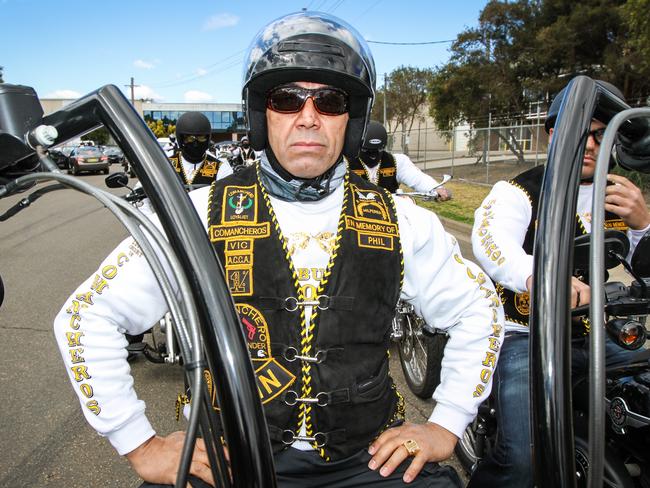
[(114, 153), (87, 158), (60, 155)]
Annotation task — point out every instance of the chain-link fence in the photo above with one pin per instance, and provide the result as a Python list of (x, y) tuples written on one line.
[(482, 156)]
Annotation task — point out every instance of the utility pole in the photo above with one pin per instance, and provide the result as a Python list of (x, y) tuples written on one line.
[(537, 136), (133, 86), (385, 95)]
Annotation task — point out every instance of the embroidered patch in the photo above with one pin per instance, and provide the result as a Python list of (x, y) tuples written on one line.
[(388, 171), (256, 330), (369, 204), (522, 303), (371, 221), (239, 204), (220, 233), (240, 281), (209, 169), (272, 377), (616, 224)]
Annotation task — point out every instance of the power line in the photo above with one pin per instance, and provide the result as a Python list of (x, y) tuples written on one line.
[(188, 78), (410, 43)]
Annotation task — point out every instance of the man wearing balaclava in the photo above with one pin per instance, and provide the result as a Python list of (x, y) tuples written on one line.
[(191, 160), (388, 170)]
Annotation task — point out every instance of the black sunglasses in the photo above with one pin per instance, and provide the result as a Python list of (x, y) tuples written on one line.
[(597, 134), (291, 99)]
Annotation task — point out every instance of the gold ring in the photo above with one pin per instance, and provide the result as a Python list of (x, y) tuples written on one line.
[(411, 447)]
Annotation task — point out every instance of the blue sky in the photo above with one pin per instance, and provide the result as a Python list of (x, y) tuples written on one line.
[(190, 50)]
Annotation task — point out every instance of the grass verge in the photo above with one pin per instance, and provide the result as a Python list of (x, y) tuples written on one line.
[(466, 198)]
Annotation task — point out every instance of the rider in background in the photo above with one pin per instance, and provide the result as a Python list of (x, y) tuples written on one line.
[(191, 160), (244, 152), (172, 146), (503, 240), (387, 170), (242, 156)]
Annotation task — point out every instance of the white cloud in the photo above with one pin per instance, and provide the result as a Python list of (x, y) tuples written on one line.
[(197, 96), (219, 21), (141, 63), (63, 94), (142, 92), (201, 72)]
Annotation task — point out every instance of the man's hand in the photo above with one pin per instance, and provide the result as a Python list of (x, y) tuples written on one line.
[(580, 292), (626, 200), (157, 460), (443, 194), (388, 452)]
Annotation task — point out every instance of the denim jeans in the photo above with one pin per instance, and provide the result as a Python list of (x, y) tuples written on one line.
[(306, 469), (511, 463)]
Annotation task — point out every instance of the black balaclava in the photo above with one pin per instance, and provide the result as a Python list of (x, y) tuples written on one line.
[(373, 144), (193, 124), (195, 151)]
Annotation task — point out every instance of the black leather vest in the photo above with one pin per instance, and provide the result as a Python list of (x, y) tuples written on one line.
[(205, 175), (387, 174), (341, 361), (517, 305)]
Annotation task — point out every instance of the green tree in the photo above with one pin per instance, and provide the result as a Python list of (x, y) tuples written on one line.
[(1, 74), (635, 54), (99, 136), (405, 94), (524, 51), (483, 83)]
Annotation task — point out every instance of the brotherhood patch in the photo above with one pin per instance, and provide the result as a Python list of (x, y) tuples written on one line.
[(272, 377)]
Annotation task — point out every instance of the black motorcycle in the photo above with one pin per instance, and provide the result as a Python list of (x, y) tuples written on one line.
[(627, 450)]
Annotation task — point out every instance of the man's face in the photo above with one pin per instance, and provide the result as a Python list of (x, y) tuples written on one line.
[(306, 143), (591, 150)]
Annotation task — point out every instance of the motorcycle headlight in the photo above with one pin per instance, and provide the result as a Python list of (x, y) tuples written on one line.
[(627, 333)]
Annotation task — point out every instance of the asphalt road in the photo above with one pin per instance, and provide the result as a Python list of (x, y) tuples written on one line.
[(47, 250)]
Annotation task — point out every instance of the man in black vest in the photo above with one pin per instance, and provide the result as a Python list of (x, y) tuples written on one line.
[(389, 170), (316, 259), (244, 154), (191, 160), (503, 239)]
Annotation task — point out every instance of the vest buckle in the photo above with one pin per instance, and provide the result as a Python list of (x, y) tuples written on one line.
[(321, 399), (289, 437), (291, 354), (291, 304)]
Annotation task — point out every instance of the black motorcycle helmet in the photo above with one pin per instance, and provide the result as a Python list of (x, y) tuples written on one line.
[(554, 109), (309, 46), (193, 124), (374, 143)]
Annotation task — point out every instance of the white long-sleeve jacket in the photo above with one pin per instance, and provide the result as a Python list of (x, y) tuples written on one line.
[(407, 173), (505, 215), (123, 296)]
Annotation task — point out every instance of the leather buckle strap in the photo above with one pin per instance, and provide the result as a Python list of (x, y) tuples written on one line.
[(321, 439), (322, 302), (322, 399), (291, 354)]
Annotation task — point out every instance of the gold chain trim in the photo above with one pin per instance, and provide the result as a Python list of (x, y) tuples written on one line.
[(305, 334), (321, 288), (181, 399), (182, 168), (391, 202), (517, 185)]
